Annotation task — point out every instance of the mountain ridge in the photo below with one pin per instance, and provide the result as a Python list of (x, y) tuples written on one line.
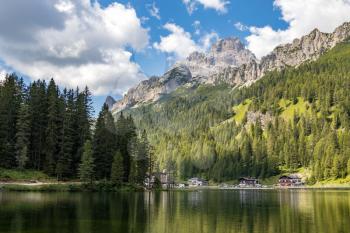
[(194, 70)]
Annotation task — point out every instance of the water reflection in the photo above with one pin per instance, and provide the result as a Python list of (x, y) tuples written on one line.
[(207, 211)]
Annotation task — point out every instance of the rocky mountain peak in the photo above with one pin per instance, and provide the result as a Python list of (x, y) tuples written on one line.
[(229, 52), (223, 45), (110, 101), (152, 89)]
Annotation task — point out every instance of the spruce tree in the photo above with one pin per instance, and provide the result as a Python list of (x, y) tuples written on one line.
[(37, 102), (22, 136), (64, 161), (53, 128), (87, 166), (10, 100), (117, 172), (104, 143)]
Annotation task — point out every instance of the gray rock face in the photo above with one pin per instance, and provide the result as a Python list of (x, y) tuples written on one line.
[(225, 53), (110, 101), (307, 48), (152, 89), (228, 61)]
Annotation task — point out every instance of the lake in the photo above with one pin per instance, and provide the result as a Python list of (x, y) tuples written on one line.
[(203, 211)]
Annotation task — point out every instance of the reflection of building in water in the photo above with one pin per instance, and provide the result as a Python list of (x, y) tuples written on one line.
[(300, 200), (195, 198), (251, 196)]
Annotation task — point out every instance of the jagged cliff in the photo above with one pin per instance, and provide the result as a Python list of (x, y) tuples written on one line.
[(230, 62)]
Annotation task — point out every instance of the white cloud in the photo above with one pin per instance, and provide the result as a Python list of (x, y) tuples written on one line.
[(218, 5), (153, 10), (207, 40), (75, 41), (302, 17), (241, 27), (178, 42), (2, 74)]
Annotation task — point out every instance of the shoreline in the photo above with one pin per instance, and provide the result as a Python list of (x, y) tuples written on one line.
[(75, 186)]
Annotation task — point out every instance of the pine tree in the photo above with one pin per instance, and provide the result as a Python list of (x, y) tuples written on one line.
[(64, 161), (104, 143), (53, 128), (117, 172), (87, 166), (37, 102), (22, 136), (10, 100)]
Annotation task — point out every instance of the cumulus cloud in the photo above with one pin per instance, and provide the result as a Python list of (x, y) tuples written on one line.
[(218, 5), (77, 42), (178, 42), (153, 10), (2, 74), (302, 17)]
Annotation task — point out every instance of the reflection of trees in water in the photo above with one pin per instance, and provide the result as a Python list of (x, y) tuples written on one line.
[(221, 211)]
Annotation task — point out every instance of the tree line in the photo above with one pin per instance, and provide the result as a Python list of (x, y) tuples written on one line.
[(48, 129)]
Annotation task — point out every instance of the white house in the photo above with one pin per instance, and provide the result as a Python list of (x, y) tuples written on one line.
[(197, 182)]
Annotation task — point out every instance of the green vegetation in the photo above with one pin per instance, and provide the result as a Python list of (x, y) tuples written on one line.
[(22, 175), (46, 132), (205, 132), (241, 110)]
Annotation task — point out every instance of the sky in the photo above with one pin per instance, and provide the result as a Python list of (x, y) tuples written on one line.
[(111, 46)]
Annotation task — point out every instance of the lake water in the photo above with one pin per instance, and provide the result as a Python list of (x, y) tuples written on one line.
[(206, 211)]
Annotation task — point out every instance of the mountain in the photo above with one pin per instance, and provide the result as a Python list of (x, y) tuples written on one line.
[(152, 89), (229, 52), (110, 101), (228, 61), (293, 120)]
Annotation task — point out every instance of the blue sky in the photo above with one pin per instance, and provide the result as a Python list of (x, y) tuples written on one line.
[(252, 12), (111, 46)]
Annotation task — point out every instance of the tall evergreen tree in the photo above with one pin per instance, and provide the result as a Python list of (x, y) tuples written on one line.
[(117, 172), (37, 102), (22, 136), (10, 100), (104, 143), (53, 128), (65, 157), (87, 166)]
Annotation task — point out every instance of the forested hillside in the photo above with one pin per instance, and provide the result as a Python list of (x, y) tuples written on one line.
[(45, 129), (292, 119)]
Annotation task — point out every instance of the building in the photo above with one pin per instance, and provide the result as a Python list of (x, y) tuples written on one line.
[(290, 180), (248, 182), (165, 179), (195, 182)]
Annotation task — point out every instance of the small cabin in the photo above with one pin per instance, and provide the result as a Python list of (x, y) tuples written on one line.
[(290, 180), (197, 182), (248, 181)]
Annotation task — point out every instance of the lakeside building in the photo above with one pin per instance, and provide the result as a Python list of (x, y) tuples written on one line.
[(248, 182), (290, 180), (195, 182), (165, 179)]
